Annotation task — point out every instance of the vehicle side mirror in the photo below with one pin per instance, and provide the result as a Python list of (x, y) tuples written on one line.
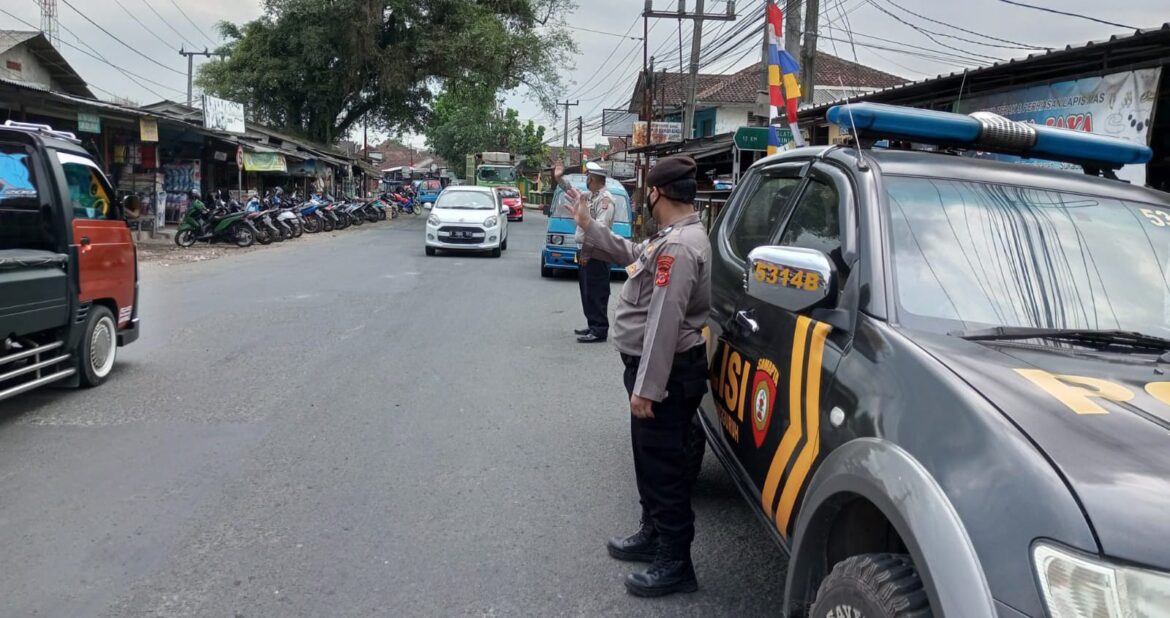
[(428, 205), (503, 210), (791, 278)]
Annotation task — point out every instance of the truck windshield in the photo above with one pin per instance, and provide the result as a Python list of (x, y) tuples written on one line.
[(621, 216), (971, 255), (496, 173)]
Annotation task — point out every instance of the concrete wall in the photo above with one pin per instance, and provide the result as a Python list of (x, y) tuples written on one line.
[(731, 117), (31, 70)]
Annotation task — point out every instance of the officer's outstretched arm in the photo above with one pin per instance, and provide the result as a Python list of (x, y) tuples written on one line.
[(675, 271), (603, 243)]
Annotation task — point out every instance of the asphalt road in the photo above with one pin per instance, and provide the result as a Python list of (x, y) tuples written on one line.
[(344, 427)]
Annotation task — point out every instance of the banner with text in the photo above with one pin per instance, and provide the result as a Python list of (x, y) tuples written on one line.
[(223, 115), (1117, 105)]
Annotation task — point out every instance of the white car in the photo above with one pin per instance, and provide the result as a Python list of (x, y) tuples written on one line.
[(468, 218)]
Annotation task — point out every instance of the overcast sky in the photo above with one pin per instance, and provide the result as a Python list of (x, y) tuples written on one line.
[(606, 66)]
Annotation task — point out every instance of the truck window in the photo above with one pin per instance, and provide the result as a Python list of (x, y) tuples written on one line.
[(815, 222), (17, 186), (21, 226), (89, 193), (760, 215)]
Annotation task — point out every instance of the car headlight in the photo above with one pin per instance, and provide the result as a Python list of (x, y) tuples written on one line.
[(434, 220), (1077, 586), (491, 221), (556, 239)]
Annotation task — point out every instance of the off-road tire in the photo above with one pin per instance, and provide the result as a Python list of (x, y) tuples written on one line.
[(874, 586)]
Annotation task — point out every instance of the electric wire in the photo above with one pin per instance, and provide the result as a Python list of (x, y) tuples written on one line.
[(190, 21), (99, 59), (123, 43), (1066, 13), (168, 23), (144, 27)]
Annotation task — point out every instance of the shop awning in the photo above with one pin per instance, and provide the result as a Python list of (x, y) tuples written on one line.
[(265, 162)]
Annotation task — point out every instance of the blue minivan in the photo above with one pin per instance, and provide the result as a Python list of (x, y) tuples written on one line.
[(560, 250), (428, 190)]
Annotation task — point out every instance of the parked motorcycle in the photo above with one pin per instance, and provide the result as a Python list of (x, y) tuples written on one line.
[(220, 225)]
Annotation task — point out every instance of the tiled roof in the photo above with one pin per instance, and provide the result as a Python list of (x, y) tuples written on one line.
[(743, 86)]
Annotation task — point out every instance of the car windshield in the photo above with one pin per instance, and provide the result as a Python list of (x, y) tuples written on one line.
[(621, 216), (465, 200), (509, 193), (496, 173), (974, 255)]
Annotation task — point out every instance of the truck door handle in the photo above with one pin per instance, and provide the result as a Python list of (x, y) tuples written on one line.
[(746, 320), (85, 240)]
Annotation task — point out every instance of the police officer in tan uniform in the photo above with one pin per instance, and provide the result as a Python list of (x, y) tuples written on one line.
[(593, 275), (658, 331)]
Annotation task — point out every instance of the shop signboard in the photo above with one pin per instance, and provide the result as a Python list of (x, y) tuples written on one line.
[(617, 122), (148, 129), (1116, 105), (656, 133), (88, 123), (223, 115), (265, 162), (621, 169)]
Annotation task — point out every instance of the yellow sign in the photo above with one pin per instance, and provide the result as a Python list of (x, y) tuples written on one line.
[(148, 129)]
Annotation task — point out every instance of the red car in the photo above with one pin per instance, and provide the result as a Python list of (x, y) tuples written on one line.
[(510, 197)]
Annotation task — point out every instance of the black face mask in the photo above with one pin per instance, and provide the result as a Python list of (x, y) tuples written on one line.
[(654, 202)]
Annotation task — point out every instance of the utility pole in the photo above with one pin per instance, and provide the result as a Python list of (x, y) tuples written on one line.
[(808, 51), (792, 29), (696, 44), (565, 133), (580, 141), (191, 67)]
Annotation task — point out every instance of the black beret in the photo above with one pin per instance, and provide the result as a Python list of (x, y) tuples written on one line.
[(671, 169)]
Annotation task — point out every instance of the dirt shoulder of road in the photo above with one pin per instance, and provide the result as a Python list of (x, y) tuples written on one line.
[(163, 251)]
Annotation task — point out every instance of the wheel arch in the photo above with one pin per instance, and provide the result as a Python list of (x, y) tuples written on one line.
[(870, 478)]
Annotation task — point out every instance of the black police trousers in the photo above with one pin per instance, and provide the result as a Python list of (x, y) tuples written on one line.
[(660, 456), (593, 277)]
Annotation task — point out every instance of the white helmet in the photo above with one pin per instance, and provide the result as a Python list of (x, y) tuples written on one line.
[(596, 169)]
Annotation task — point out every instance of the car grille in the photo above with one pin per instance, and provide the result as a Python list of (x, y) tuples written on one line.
[(461, 235)]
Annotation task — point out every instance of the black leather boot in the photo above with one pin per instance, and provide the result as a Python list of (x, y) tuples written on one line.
[(641, 546), (581, 332), (671, 572)]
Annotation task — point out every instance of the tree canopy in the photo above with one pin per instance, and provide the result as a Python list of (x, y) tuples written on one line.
[(466, 120), (317, 67)]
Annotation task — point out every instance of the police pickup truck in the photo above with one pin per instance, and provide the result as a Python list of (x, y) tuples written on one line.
[(943, 381)]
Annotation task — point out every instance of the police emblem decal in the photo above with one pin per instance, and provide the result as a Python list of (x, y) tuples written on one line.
[(763, 397)]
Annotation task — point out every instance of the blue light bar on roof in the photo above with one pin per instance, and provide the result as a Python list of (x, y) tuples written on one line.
[(988, 132)]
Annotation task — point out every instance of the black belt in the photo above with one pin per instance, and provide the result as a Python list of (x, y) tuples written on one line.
[(692, 355)]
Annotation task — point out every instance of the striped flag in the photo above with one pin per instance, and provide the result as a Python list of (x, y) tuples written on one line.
[(783, 70)]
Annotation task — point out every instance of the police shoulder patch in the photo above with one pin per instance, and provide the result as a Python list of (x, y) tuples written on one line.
[(663, 273)]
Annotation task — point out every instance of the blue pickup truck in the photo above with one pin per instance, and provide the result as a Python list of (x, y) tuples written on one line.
[(560, 250)]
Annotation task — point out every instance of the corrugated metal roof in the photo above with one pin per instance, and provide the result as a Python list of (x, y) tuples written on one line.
[(1115, 40)]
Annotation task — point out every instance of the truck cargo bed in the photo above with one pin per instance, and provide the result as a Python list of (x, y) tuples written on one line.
[(34, 291)]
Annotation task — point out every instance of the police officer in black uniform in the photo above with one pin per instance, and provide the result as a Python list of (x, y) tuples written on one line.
[(658, 329)]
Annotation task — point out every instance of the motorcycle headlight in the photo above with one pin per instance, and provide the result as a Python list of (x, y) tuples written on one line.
[(1078, 586), (491, 222), (433, 220), (556, 239)]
